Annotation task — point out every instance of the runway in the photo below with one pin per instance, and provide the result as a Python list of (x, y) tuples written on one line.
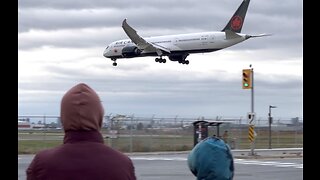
[(174, 166)]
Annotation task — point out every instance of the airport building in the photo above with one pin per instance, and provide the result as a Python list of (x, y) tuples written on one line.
[(24, 124)]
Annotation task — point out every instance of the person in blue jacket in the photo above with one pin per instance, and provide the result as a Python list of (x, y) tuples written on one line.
[(211, 159)]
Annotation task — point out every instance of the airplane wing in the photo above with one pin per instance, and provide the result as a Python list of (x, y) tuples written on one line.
[(140, 42)]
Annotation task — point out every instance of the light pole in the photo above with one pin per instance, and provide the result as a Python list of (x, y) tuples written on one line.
[(270, 122)]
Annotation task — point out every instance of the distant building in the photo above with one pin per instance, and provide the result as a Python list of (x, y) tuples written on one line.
[(22, 124), (38, 126)]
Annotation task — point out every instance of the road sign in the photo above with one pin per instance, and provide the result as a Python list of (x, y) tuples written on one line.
[(251, 133), (251, 117)]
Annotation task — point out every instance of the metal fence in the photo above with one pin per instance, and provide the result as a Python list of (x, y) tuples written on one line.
[(129, 133)]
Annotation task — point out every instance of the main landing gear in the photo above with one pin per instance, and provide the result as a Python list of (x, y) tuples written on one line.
[(181, 58), (160, 60), (184, 62)]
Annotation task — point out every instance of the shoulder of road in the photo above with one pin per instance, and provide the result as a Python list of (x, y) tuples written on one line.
[(244, 153)]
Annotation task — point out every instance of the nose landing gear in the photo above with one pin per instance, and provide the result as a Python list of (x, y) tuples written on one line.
[(114, 63)]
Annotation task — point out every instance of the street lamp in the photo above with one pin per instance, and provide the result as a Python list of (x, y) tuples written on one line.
[(270, 122)]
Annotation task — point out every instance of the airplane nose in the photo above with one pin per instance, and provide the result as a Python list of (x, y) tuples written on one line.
[(105, 53)]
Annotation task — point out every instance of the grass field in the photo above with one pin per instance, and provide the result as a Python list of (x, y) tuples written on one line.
[(30, 142)]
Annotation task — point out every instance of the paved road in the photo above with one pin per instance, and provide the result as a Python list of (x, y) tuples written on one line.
[(174, 166)]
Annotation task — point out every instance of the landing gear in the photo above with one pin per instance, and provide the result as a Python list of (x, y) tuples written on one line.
[(160, 60), (114, 63), (181, 58), (184, 62)]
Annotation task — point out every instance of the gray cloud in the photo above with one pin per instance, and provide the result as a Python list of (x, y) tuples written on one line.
[(121, 4), (66, 23), (139, 88), (207, 15), (156, 92)]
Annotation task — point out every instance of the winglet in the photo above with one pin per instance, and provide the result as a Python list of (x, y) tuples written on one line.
[(126, 27), (124, 22)]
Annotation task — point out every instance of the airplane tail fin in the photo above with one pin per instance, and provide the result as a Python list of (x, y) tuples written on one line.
[(236, 21)]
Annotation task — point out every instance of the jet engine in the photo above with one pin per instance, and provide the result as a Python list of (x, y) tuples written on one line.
[(130, 51)]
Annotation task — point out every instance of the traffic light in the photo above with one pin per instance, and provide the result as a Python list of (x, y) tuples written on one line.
[(246, 79)]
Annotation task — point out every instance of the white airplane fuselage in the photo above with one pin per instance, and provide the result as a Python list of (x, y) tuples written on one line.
[(181, 43), (178, 47)]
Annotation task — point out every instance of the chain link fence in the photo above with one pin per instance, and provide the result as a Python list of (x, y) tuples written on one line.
[(130, 133)]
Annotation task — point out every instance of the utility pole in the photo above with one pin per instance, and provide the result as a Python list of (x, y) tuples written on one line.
[(270, 122)]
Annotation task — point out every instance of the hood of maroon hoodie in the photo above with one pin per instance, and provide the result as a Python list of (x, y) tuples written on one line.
[(81, 109)]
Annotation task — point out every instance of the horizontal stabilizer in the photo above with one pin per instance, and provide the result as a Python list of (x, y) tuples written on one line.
[(259, 35)]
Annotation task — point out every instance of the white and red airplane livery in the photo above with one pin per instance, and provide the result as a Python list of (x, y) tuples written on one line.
[(178, 47)]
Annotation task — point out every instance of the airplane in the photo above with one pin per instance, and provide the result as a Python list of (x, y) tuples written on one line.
[(179, 47)]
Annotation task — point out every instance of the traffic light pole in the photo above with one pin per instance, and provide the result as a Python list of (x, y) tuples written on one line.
[(252, 109), (248, 83), (252, 93)]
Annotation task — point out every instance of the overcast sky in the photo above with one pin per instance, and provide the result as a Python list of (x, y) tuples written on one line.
[(60, 44)]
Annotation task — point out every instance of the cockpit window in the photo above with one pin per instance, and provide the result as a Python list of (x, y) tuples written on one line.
[(107, 47)]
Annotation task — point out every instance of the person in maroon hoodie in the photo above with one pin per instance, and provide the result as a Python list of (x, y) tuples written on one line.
[(83, 155)]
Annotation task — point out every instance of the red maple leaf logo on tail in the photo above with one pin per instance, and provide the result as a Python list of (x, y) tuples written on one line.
[(236, 23)]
